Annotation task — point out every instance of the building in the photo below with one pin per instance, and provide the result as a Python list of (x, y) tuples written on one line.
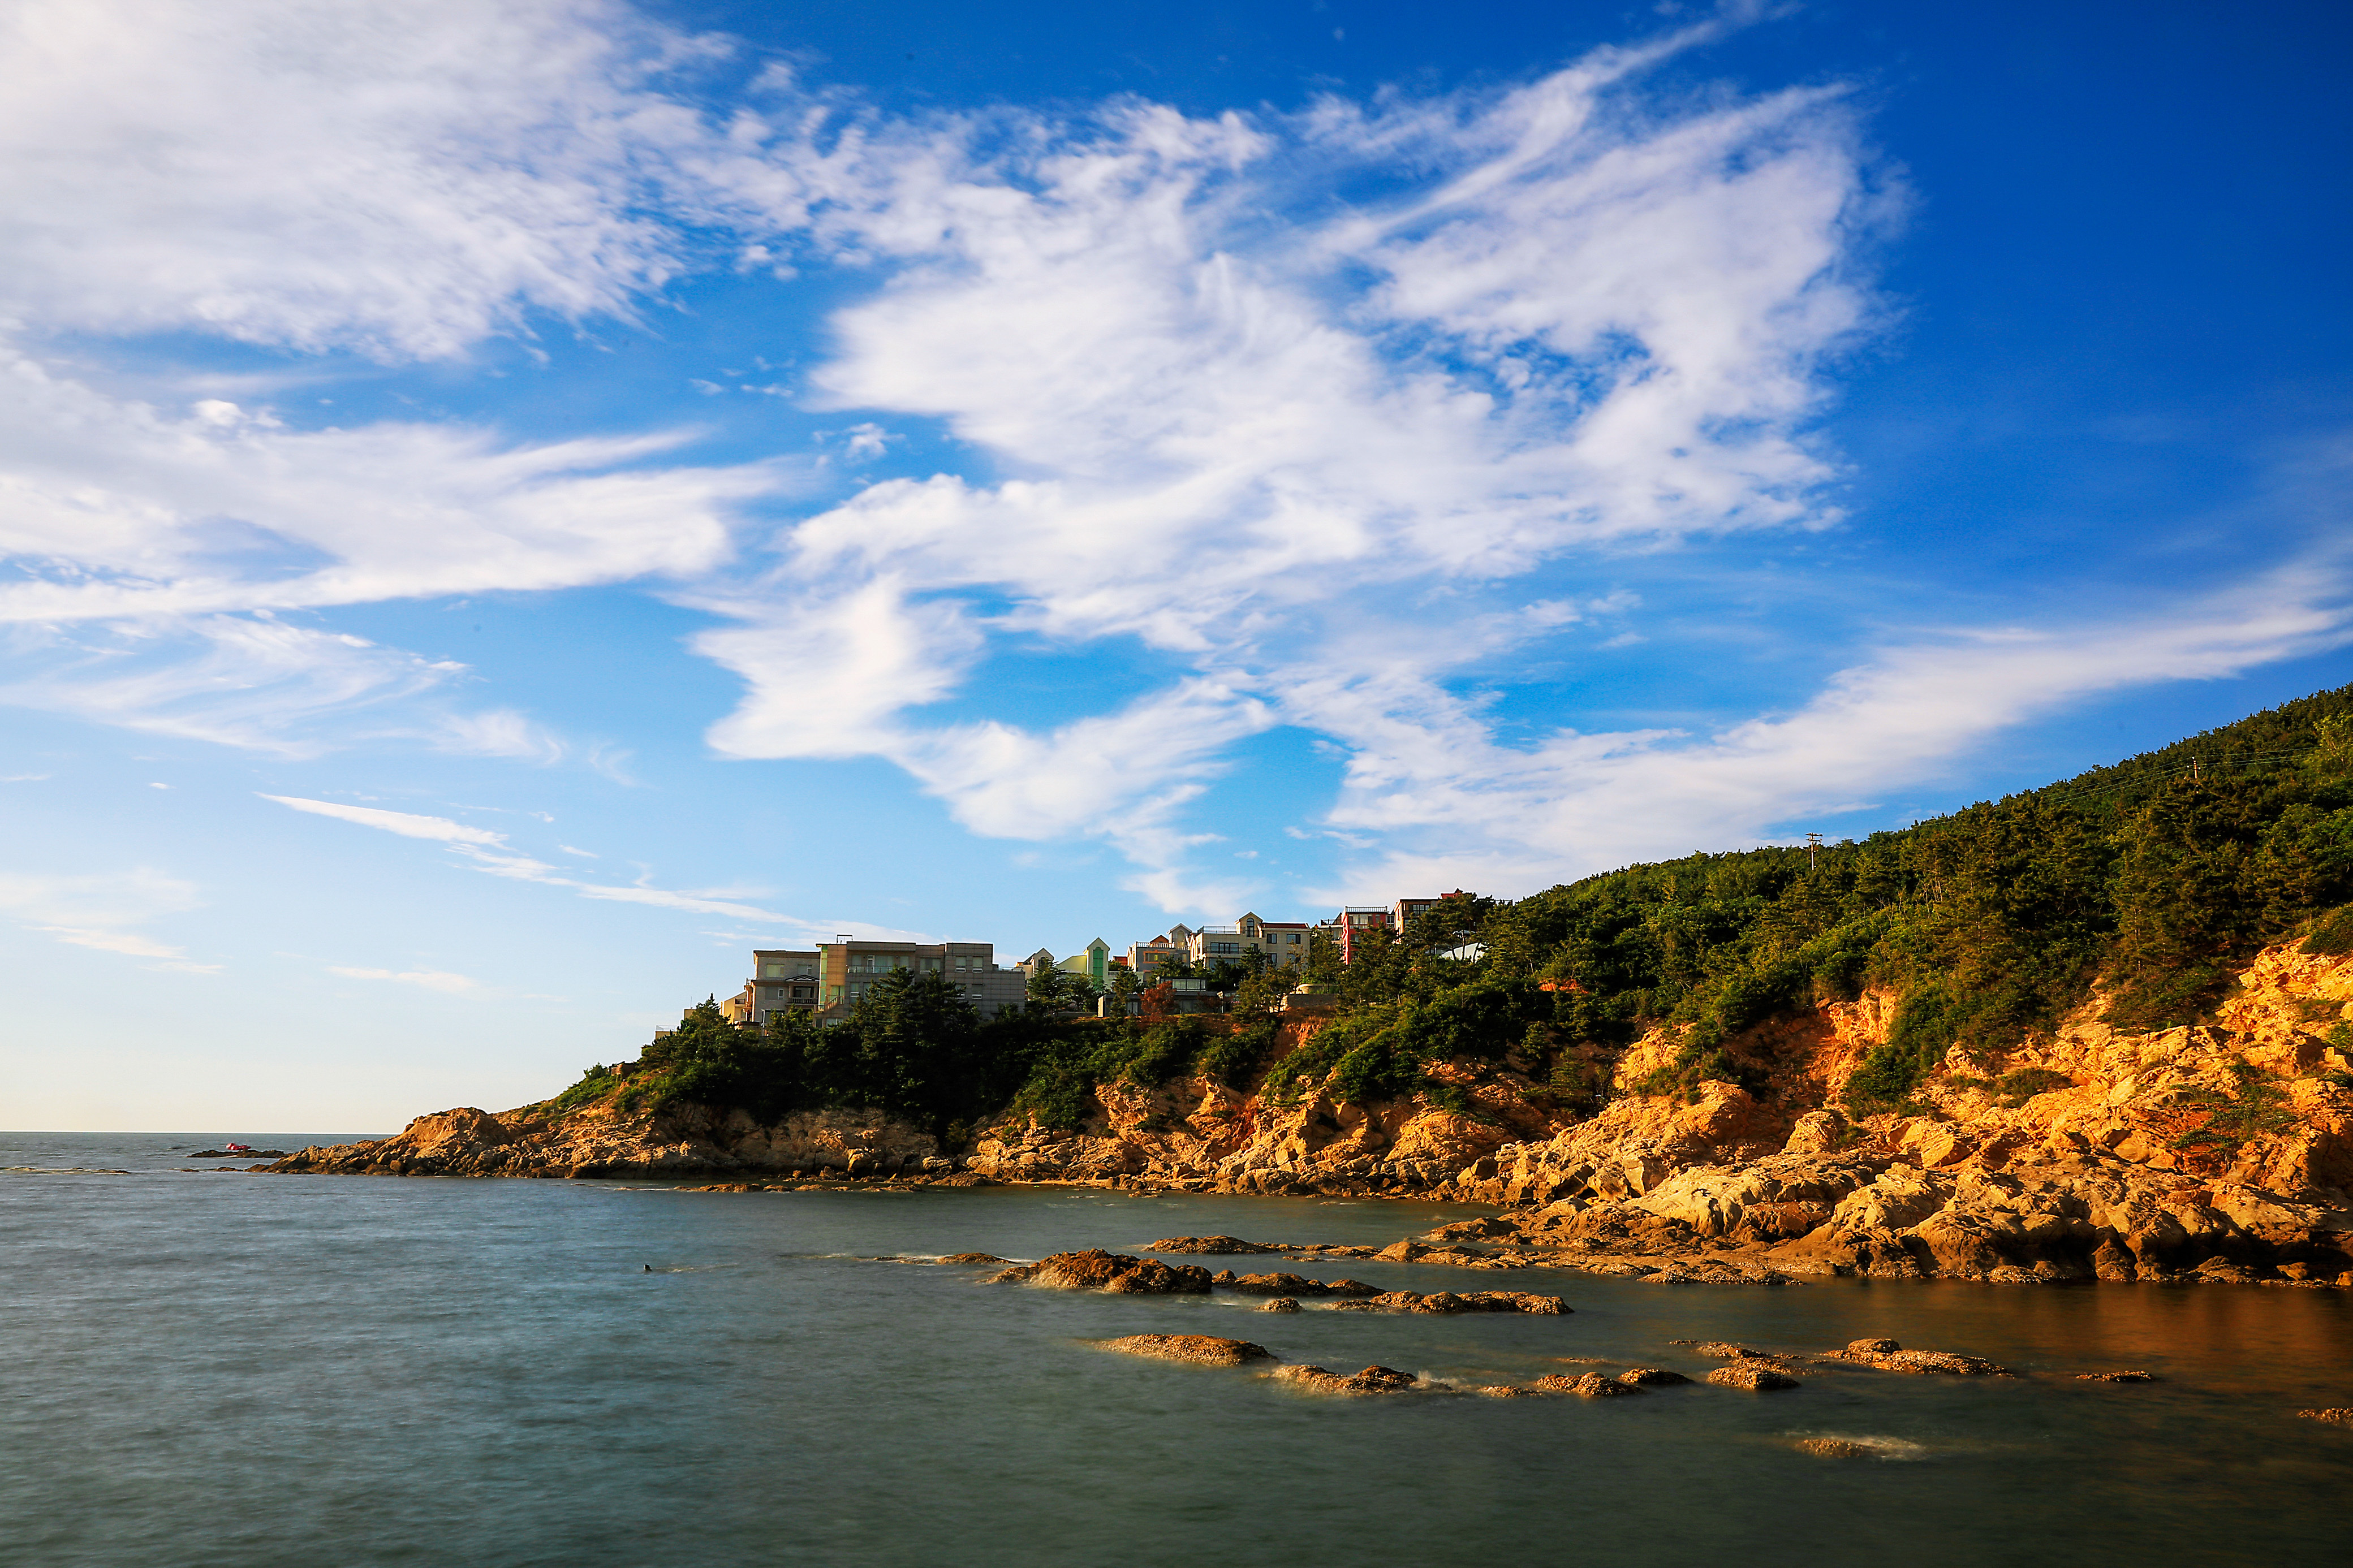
[(1092, 964), (1284, 942), (830, 979), (1146, 958), (1354, 923), (783, 980)]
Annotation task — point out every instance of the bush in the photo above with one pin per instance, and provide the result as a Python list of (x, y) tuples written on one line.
[(2333, 936)]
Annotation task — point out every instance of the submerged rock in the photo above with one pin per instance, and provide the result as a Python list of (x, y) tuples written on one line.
[(1209, 1244), (1371, 1380), (1292, 1284), (973, 1258), (2117, 1377), (1832, 1448), (1114, 1273), (1280, 1304), (2336, 1415), (1753, 1376), (1459, 1301), (1889, 1356), (1206, 1350), (1651, 1376), (1591, 1385)]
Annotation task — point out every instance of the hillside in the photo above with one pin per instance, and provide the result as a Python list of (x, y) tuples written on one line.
[(2098, 1028)]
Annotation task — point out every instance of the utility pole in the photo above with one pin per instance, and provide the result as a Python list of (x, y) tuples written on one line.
[(1813, 843)]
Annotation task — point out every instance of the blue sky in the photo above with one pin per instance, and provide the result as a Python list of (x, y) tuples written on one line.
[(508, 506)]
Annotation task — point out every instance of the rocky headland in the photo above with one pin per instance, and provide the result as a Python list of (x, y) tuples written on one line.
[(2219, 1152)]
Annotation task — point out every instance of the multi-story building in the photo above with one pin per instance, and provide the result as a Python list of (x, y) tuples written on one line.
[(1092, 964), (851, 966), (1284, 942), (1354, 923), (1147, 958), (783, 980), (830, 979)]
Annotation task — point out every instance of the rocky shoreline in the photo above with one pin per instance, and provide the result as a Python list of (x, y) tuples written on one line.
[(2079, 1158)]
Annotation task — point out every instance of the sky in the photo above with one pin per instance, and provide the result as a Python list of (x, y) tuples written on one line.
[(508, 505)]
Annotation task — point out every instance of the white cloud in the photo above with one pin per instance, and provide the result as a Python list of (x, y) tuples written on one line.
[(102, 912), (115, 509), (1451, 808), (426, 979), (318, 173), (1577, 321), (491, 854), (408, 824), (500, 732), (246, 682)]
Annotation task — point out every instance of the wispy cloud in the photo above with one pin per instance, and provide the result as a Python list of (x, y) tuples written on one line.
[(1448, 806), (424, 979), (104, 912), (491, 854), (408, 824)]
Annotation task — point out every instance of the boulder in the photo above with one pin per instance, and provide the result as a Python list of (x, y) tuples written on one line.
[(1590, 1385), (2336, 1415), (1114, 1273), (1208, 1244), (1371, 1380), (1650, 1376), (1753, 1376), (1291, 1285), (1205, 1349), (1441, 1301), (1406, 1251), (1865, 1352), (1832, 1448), (2117, 1377), (1280, 1304)]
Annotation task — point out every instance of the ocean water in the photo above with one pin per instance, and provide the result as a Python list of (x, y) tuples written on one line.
[(206, 1369)]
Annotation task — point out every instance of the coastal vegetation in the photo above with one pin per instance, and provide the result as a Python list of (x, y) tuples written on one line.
[(2138, 885)]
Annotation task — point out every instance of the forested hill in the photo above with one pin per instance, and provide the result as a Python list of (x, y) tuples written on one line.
[(2146, 879), (2143, 883)]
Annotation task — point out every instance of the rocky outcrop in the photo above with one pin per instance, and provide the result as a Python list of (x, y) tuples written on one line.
[(1889, 1356), (2218, 1153), (1114, 1273), (1211, 1245), (1204, 1349), (1589, 1385), (2077, 1157), (1753, 1376), (1290, 1285), (1371, 1380), (1443, 1301), (606, 1141)]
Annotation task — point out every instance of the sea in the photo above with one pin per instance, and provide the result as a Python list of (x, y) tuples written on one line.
[(205, 1368)]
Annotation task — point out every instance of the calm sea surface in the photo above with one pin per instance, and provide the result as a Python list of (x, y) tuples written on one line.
[(221, 1369)]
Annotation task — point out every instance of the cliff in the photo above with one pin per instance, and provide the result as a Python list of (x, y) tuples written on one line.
[(2221, 1150)]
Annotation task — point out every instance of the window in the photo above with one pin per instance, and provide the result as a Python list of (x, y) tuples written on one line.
[(928, 965), (963, 960), (771, 969), (1225, 947), (804, 992)]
